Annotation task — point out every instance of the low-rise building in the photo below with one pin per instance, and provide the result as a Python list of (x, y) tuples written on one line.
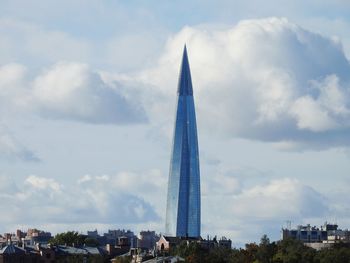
[(317, 237), (166, 243), (305, 234), (48, 254), (147, 240), (113, 235)]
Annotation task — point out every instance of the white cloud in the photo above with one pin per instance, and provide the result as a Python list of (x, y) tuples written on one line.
[(280, 198), (67, 90), (85, 178), (265, 79), (12, 149), (221, 184), (261, 208), (43, 183), (73, 91), (150, 185), (13, 93), (92, 202), (138, 200), (31, 43), (329, 111)]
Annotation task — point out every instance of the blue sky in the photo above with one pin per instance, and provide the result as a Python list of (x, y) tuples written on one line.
[(87, 105)]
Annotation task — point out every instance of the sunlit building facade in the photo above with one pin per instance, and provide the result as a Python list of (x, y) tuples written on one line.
[(183, 214)]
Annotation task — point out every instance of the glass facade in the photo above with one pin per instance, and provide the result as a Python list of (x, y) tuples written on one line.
[(183, 200)]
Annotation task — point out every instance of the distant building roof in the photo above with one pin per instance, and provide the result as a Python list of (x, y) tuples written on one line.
[(172, 239), (81, 250), (165, 259), (11, 249), (95, 250), (71, 250)]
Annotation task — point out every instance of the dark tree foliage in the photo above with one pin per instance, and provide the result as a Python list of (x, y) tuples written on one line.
[(80, 259), (72, 238), (338, 254), (285, 251), (91, 242), (293, 251), (125, 259), (266, 250)]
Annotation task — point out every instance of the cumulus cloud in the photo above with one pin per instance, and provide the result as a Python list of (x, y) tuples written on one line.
[(265, 79), (43, 183), (137, 199), (68, 90), (328, 111), (13, 92), (261, 208), (94, 201), (73, 91), (302, 200)]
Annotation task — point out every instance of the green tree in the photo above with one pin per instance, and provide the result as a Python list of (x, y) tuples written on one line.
[(293, 251), (333, 255), (250, 252), (266, 250), (91, 242), (69, 238), (219, 255)]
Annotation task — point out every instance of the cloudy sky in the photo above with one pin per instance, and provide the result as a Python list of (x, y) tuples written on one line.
[(87, 106)]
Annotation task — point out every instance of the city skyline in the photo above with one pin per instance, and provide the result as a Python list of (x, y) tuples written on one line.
[(87, 107), (183, 212)]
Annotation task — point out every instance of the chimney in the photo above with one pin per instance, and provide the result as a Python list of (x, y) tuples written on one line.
[(23, 243), (9, 239), (38, 246)]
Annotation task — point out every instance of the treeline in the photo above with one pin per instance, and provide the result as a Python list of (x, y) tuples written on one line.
[(285, 251), (73, 238)]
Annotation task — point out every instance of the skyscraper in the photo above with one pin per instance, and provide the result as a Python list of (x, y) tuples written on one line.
[(183, 214)]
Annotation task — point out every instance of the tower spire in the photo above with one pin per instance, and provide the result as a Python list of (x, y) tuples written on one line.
[(183, 214), (185, 81)]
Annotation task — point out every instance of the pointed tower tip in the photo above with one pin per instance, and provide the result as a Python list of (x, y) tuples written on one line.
[(185, 82)]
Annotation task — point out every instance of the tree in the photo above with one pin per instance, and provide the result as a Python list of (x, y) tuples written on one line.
[(266, 250), (293, 251), (250, 252), (334, 255), (91, 242), (70, 238)]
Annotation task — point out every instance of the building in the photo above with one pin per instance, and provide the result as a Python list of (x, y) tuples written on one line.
[(183, 213), (305, 234), (11, 253), (31, 237), (165, 243), (167, 259), (93, 234), (318, 237), (147, 240), (113, 235)]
